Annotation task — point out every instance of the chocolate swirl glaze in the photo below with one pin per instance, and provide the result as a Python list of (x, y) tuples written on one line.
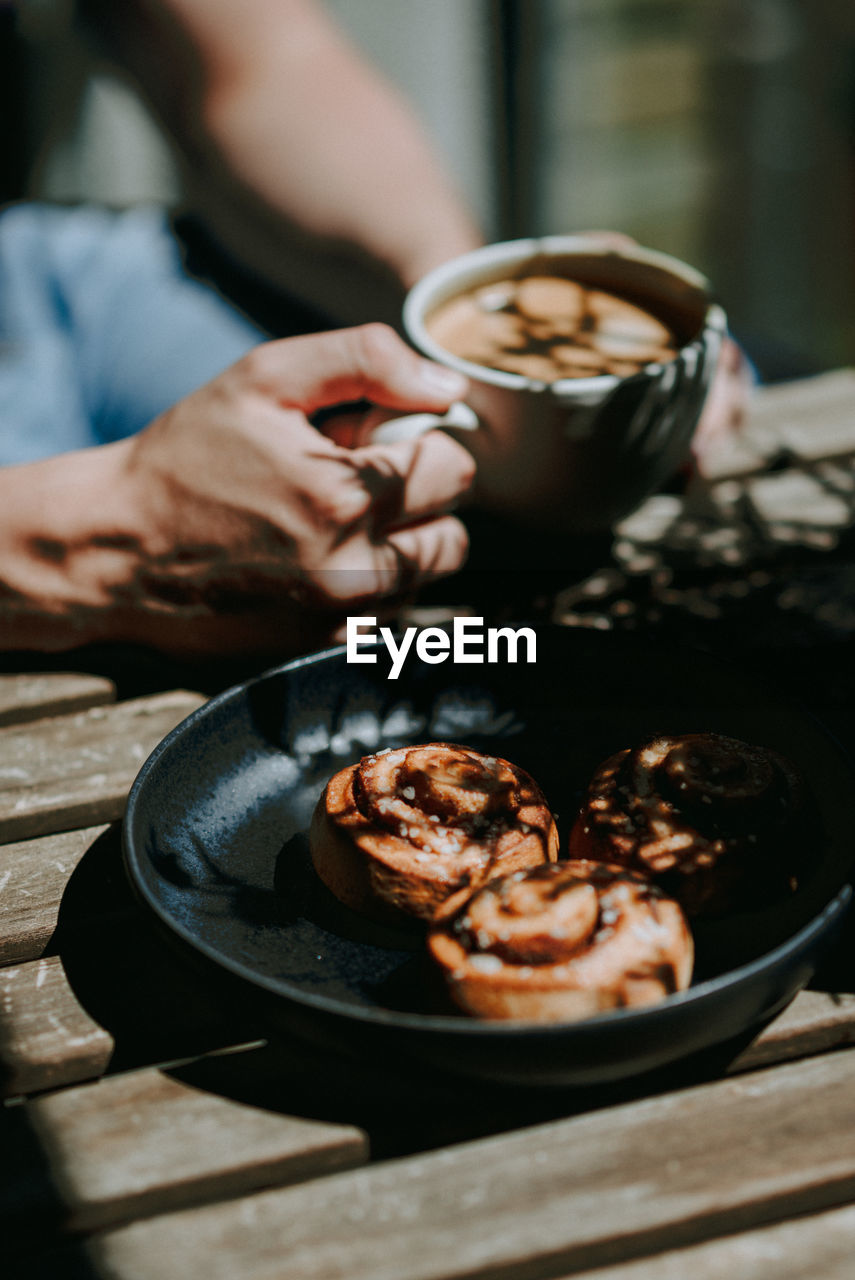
[(717, 822), (561, 942), (404, 828)]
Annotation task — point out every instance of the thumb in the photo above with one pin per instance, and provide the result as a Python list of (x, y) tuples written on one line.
[(368, 362)]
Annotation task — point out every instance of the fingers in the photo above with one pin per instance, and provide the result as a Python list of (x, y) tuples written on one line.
[(414, 479), (611, 239), (405, 559), (352, 429), (371, 521), (430, 550), (408, 538), (367, 362), (726, 406)]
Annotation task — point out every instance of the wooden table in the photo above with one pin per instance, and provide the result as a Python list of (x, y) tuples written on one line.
[(149, 1130)]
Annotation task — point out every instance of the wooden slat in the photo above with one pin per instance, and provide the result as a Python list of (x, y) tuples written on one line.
[(815, 1022), (144, 1143), (818, 1247), (812, 418), (113, 1000), (75, 771), (46, 1036), (109, 972), (36, 694), (585, 1192), (33, 877)]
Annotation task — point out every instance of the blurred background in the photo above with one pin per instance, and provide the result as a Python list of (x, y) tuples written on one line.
[(721, 131)]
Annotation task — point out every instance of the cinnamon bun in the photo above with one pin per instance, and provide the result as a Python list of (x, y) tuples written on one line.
[(718, 823), (561, 942), (400, 831)]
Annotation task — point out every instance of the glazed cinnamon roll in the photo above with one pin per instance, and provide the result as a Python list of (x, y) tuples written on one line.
[(404, 828), (561, 942), (717, 822)]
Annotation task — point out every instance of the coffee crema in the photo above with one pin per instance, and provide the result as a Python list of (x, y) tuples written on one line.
[(547, 327)]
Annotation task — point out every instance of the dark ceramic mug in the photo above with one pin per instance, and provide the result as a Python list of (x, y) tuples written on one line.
[(577, 454)]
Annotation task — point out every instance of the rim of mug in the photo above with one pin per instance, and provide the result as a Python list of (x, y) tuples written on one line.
[(459, 273)]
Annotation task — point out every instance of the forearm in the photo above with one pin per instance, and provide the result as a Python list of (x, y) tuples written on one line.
[(283, 120), (341, 156), (68, 548)]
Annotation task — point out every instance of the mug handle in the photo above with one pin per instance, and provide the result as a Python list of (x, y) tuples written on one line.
[(458, 416)]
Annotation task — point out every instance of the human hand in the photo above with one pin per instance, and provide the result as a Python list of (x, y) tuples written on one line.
[(250, 521), (725, 408)]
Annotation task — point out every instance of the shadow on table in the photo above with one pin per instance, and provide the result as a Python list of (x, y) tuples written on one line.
[(34, 1208), (836, 973), (160, 1008), (154, 1006)]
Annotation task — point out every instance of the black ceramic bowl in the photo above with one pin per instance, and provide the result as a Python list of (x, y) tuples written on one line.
[(215, 845)]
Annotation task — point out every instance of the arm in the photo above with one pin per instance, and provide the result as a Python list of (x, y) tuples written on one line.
[(293, 126), (221, 526)]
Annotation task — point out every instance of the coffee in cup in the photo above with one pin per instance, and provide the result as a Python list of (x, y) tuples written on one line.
[(549, 327), (588, 366)]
